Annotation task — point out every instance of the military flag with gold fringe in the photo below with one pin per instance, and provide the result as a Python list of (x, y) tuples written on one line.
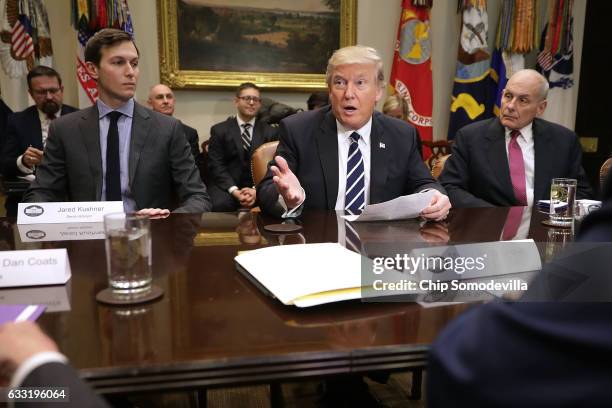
[(411, 71)]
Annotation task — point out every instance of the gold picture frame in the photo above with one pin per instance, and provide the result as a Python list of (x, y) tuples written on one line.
[(172, 75)]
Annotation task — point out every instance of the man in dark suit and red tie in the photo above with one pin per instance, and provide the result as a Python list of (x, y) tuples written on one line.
[(511, 160), (346, 156), (232, 142)]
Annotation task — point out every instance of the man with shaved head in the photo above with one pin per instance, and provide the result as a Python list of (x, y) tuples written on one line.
[(161, 99), (510, 160)]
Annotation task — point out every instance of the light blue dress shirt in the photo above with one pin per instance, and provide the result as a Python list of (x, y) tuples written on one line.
[(125, 135)]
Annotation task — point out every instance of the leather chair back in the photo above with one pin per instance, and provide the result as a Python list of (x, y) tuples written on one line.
[(260, 159)]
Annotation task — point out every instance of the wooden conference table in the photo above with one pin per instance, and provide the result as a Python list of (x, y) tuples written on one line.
[(213, 328)]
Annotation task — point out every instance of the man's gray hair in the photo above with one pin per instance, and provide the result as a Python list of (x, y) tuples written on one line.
[(355, 54)]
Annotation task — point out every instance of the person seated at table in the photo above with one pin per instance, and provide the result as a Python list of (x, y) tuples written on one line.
[(347, 155), (317, 100), (510, 160), (232, 142), (118, 150), (546, 350), (31, 359)]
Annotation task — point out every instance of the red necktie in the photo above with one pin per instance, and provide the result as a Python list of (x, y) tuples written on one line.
[(517, 168), (512, 224)]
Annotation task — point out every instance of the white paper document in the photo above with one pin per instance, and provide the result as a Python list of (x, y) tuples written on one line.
[(305, 274), (400, 208)]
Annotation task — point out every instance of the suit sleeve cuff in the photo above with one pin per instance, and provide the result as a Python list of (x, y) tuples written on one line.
[(232, 189), (33, 363), (22, 168), (295, 211)]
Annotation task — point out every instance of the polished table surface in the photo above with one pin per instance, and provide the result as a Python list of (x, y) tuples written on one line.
[(214, 328)]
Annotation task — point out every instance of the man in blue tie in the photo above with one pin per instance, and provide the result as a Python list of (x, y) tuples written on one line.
[(347, 155)]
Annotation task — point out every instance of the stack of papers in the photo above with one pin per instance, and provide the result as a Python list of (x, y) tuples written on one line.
[(400, 208), (306, 274)]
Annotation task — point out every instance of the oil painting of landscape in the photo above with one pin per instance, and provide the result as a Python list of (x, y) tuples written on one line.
[(276, 42), (258, 36)]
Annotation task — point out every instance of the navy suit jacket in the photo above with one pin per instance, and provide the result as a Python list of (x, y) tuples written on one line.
[(309, 143), (477, 174), (22, 131), (226, 158), (193, 139), (547, 351)]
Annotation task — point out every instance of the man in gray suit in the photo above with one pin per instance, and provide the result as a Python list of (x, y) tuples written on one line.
[(118, 149)]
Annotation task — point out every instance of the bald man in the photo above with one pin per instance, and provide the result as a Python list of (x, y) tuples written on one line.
[(161, 99), (510, 160)]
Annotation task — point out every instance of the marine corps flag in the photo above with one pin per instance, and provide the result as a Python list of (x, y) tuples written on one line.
[(411, 71)]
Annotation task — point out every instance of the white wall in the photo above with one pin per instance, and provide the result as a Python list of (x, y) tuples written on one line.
[(377, 22)]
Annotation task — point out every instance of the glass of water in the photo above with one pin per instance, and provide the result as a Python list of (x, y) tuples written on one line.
[(128, 253), (562, 201)]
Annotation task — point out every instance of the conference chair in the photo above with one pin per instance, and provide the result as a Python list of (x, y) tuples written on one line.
[(260, 159)]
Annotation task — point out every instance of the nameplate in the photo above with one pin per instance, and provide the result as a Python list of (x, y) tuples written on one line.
[(34, 267), (56, 213), (77, 231)]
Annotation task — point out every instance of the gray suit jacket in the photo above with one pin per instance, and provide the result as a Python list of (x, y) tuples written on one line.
[(162, 172)]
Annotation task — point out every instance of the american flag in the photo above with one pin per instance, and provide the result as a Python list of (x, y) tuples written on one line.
[(21, 41), (545, 60)]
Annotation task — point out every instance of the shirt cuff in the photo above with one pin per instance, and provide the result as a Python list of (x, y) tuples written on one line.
[(232, 189), (295, 211), (33, 363), (22, 168)]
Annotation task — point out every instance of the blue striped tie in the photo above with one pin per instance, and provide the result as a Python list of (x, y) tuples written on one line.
[(355, 183)]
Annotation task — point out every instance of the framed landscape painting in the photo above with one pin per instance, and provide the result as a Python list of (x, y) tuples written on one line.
[(277, 44)]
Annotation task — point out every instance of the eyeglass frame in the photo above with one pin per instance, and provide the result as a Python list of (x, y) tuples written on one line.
[(250, 99)]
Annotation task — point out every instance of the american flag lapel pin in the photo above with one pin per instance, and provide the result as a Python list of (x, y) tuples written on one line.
[(381, 145)]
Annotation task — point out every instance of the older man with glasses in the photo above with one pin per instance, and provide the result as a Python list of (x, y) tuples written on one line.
[(229, 154)]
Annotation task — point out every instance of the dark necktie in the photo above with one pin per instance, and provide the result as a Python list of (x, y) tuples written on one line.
[(517, 168), (113, 167), (246, 137), (354, 200)]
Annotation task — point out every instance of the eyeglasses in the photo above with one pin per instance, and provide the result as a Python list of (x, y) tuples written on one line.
[(44, 92), (250, 99)]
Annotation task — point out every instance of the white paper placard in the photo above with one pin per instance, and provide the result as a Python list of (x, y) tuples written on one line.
[(34, 267), (77, 231), (55, 213), (55, 297)]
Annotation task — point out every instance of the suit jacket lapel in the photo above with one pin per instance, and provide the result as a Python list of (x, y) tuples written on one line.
[(89, 127), (542, 146), (327, 144), (495, 150), (140, 133), (35, 133), (379, 158), (235, 133), (257, 136)]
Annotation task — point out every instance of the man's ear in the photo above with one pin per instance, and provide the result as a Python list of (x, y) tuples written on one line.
[(92, 70)]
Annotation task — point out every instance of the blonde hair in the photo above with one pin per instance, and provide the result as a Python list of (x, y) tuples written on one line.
[(355, 54), (393, 102)]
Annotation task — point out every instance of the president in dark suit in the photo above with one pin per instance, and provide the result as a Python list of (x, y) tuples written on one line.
[(511, 160), (162, 100), (117, 149), (27, 131), (31, 359), (232, 142), (347, 156)]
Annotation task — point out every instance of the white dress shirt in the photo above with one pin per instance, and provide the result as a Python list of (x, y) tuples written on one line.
[(45, 122), (525, 141)]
